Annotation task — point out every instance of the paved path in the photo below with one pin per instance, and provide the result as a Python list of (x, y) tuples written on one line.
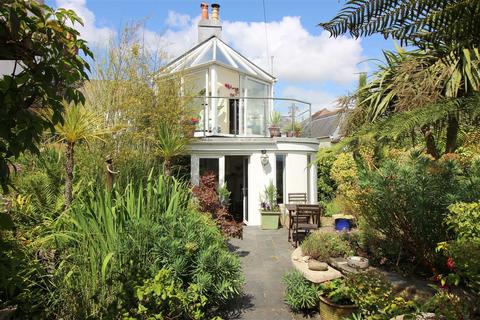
[(265, 255)]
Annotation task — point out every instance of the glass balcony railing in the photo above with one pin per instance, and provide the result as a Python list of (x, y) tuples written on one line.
[(250, 117)]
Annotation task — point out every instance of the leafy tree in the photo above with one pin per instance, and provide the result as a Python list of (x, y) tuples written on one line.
[(417, 79), (80, 125), (419, 22), (127, 88), (47, 69)]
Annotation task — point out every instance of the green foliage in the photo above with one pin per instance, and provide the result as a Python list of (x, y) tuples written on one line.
[(447, 305), (407, 202), (224, 195), (169, 142), (300, 294), (336, 291), (370, 291), (269, 198), (422, 22), (464, 220), (23, 281), (464, 250), (275, 119), (111, 243), (163, 298), (322, 246), (46, 71), (325, 185)]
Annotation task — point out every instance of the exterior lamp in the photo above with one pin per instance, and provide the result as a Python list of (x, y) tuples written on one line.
[(264, 158)]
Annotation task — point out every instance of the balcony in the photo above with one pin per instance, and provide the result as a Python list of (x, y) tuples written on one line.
[(248, 116)]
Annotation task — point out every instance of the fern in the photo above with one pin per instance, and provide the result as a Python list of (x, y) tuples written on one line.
[(420, 22)]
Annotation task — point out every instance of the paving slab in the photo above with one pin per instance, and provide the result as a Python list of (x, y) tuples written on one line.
[(265, 257)]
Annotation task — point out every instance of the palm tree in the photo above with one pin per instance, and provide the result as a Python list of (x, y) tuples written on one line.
[(420, 22), (79, 125), (170, 142)]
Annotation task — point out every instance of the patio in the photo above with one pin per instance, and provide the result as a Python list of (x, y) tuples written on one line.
[(265, 256)]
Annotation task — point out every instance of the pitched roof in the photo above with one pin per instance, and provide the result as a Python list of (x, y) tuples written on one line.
[(215, 50)]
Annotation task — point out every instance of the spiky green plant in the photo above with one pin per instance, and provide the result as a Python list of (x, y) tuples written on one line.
[(420, 22), (170, 142), (79, 125), (112, 242)]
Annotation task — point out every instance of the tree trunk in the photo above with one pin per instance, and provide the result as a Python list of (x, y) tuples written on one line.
[(430, 141), (167, 167), (69, 169), (452, 133)]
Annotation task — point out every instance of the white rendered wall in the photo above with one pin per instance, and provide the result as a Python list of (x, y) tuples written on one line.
[(296, 173), (259, 177)]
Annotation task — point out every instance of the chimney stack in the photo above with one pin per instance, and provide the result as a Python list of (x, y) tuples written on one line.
[(204, 7), (209, 27), (215, 11)]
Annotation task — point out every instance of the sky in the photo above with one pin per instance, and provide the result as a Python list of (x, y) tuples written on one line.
[(308, 63)]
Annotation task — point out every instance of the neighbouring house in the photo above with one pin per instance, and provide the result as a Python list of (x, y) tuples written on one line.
[(326, 125), (234, 105)]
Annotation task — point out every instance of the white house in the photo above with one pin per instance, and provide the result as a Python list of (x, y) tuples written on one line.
[(234, 104)]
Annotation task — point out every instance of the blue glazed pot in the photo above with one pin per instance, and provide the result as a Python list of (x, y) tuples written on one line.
[(342, 224)]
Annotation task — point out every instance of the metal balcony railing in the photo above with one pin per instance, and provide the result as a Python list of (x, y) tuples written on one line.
[(249, 116)]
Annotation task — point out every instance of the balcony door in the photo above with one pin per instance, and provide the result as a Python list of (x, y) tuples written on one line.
[(256, 110), (233, 116)]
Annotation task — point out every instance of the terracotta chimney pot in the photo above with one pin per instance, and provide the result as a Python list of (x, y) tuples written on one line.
[(215, 11), (204, 7)]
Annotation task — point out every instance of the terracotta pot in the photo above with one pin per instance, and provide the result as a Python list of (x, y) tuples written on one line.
[(290, 134), (275, 132), (333, 311)]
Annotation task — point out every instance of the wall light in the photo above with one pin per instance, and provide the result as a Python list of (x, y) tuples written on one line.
[(264, 158)]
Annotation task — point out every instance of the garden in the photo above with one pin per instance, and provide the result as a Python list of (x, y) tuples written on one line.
[(406, 173), (97, 216), (98, 219)]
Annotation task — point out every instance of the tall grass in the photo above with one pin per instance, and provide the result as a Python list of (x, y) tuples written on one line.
[(111, 242)]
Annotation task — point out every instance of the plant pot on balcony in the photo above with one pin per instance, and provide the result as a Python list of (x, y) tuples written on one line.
[(290, 134), (333, 311), (275, 132), (270, 220)]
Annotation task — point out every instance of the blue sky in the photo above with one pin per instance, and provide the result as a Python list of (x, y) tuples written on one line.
[(308, 64)]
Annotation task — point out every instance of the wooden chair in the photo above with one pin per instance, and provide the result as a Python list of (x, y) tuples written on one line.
[(306, 219), (297, 198)]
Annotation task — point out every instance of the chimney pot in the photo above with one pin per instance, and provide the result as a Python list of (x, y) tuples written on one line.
[(215, 11), (204, 7)]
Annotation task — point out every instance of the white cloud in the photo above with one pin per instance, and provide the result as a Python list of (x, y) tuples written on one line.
[(318, 98), (90, 32), (299, 56)]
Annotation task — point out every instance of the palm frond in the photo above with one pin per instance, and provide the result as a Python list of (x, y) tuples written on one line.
[(420, 22)]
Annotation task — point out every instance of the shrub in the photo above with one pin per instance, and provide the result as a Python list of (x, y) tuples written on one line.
[(447, 305), (370, 291), (325, 185), (464, 250), (464, 220), (114, 242), (336, 291), (209, 201), (322, 246), (345, 174), (407, 202), (300, 294), (163, 297)]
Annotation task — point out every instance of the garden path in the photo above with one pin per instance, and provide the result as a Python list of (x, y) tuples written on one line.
[(265, 257)]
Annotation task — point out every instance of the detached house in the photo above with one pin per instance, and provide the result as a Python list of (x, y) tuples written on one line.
[(235, 103)]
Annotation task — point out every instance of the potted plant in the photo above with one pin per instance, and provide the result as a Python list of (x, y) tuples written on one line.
[(335, 302), (297, 129), (269, 209), (343, 222), (274, 128), (293, 130)]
